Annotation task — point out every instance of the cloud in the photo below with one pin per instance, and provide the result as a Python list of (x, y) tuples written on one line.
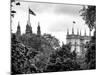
[(53, 18), (67, 9), (60, 24), (56, 8)]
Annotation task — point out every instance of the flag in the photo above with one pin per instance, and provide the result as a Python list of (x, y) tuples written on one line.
[(74, 22), (31, 12)]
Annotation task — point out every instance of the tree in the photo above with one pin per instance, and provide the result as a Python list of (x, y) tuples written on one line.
[(91, 53), (54, 42), (62, 60), (89, 15), (21, 56)]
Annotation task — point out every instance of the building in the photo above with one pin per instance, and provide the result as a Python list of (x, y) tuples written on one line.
[(28, 30), (77, 41), (29, 38)]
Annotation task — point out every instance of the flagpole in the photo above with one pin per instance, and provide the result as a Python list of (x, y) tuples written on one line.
[(28, 16), (73, 26), (74, 23)]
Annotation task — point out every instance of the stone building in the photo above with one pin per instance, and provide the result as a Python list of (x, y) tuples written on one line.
[(77, 41)]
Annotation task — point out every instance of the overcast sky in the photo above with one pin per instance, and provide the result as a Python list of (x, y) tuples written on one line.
[(54, 19)]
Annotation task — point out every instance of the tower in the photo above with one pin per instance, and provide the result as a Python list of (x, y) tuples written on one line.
[(28, 26), (28, 29), (38, 29), (18, 33)]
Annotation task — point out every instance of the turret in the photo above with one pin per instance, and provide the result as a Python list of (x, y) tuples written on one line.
[(73, 28), (38, 29), (18, 33), (28, 28)]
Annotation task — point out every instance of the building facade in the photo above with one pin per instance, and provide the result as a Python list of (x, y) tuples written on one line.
[(28, 30), (77, 41)]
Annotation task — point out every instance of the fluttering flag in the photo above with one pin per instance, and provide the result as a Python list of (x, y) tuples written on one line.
[(31, 12)]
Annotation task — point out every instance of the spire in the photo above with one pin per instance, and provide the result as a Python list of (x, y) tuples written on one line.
[(38, 29), (18, 33), (28, 29), (72, 30), (85, 33), (73, 27), (67, 31), (28, 21), (77, 31)]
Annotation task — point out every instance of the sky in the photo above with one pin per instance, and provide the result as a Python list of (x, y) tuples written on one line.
[(54, 19)]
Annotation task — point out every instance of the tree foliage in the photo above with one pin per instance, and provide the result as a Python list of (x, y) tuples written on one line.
[(27, 58), (89, 15), (91, 53), (20, 57), (54, 42), (63, 60)]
